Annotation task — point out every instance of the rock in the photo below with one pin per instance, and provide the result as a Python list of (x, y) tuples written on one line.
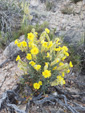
[(73, 90), (38, 16), (83, 1), (34, 2), (43, 1), (53, 111), (22, 107), (56, 110), (63, 21), (45, 111), (55, 94), (12, 49), (83, 99), (36, 13), (60, 111), (74, 38)]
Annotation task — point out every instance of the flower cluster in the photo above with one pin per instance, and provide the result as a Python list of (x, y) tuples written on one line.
[(37, 85), (46, 62)]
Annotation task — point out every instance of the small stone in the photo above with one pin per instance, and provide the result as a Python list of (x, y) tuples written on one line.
[(22, 107), (73, 90), (45, 111), (34, 2), (60, 111), (53, 111), (84, 2), (55, 93), (83, 99), (73, 74), (37, 107), (64, 21)]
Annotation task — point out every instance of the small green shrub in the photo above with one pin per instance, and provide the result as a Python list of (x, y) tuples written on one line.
[(67, 10), (45, 63), (2, 41), (49, 5)]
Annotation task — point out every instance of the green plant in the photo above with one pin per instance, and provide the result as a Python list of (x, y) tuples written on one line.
[(45, 60), (26, 16), (2, 41), (49, 5), (67, 10), (27, 28), (75, 58)]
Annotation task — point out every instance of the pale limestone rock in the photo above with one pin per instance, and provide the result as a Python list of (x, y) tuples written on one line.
[(12, 49)]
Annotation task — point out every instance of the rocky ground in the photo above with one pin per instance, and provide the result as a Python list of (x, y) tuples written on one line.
[(8, 74), (64, 16)]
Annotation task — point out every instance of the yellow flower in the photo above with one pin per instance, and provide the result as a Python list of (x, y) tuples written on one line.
[(46, 73), (35, 51), (36, 85), (47, 30), (68, 71), (16, 42), (46, 66), (66, 53), (54, 67), (65, 66), (57, 40), (57, 49), (18, 58), (44, 44), (50, 44), (63, 74), (19, 44), (46, 63), (57, 60), (36, 33), (59, 43), (64, 48), (29, 57), (60, 80), (32, 63), (48, 55), (61, 63), (30, 36), (42, 41), (37, 67), (24, 44), (31, 44), (70, 64), (63, 58), (40, 82)]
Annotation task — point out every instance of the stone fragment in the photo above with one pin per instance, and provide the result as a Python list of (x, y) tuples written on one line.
[(12, 49)]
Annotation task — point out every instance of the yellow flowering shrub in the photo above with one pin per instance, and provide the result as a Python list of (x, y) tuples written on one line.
[(45, 60)]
